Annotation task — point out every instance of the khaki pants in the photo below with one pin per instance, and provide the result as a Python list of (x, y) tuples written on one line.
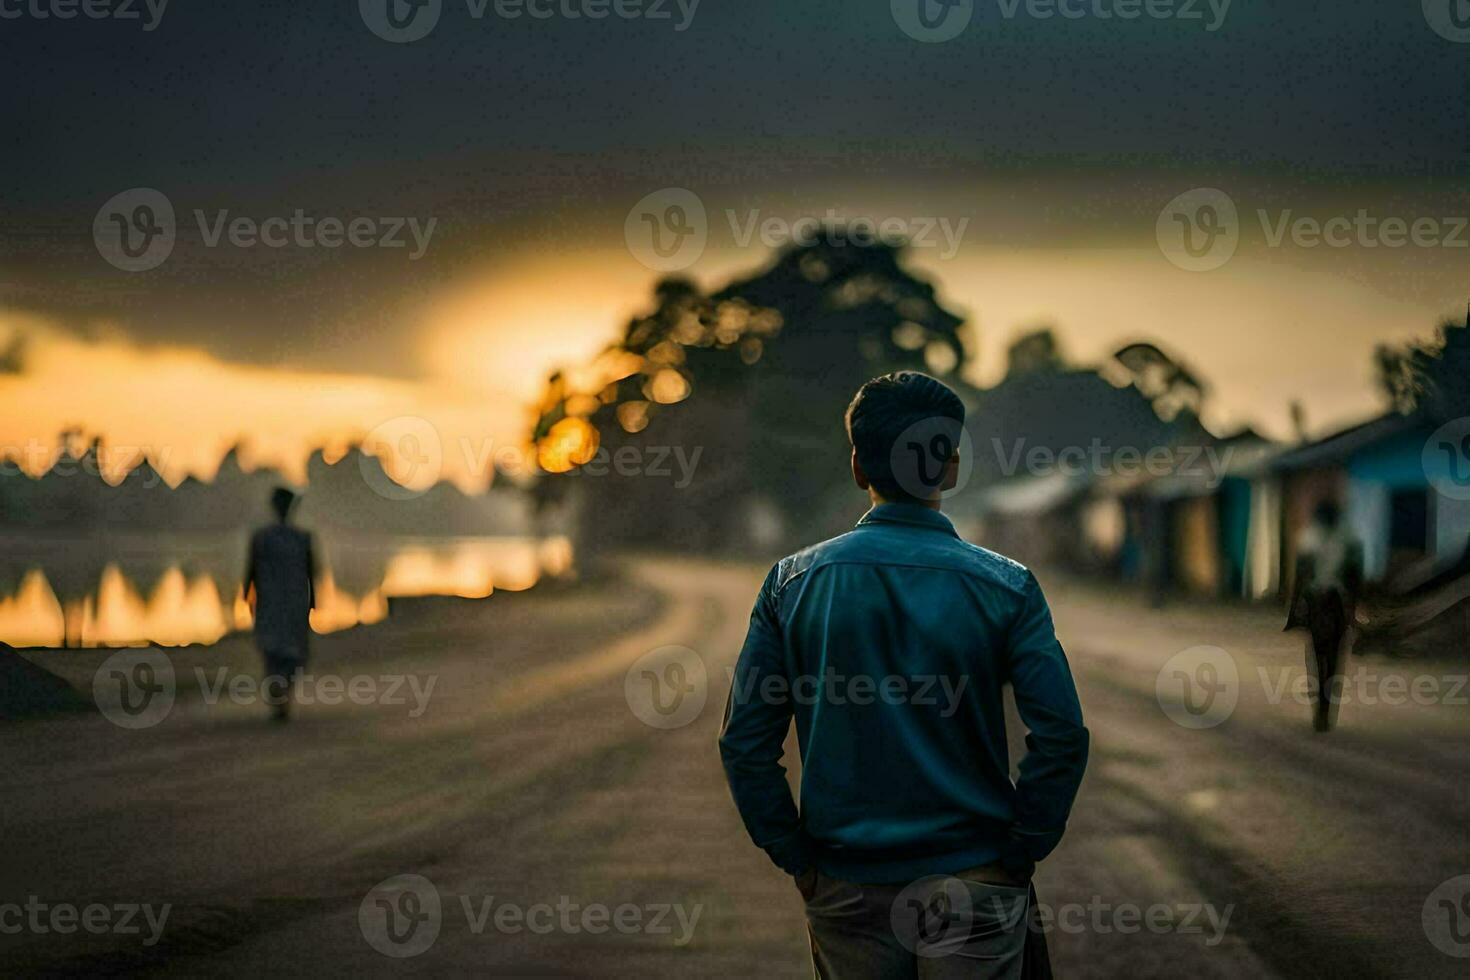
[(937, 927)]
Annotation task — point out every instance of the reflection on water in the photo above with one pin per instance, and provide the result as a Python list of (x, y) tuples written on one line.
[(126, 590)]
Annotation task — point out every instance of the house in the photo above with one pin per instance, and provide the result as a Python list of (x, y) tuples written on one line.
[(1389, 488), (1045, 440), (1034, 518), (1196, 518)]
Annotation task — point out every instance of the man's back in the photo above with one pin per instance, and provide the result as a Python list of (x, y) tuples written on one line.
[(890, 646), (895, 641), (281, 570)]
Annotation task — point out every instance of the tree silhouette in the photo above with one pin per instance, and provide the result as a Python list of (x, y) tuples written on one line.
[(1171, 387), (753, 377), (1432, 376), (1034, 352)]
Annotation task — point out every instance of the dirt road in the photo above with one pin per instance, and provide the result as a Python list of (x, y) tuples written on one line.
[(522, 819)]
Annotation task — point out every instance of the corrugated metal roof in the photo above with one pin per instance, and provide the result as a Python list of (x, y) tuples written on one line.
[(1336, 448)]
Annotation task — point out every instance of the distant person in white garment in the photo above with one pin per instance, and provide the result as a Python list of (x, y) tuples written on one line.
[(1329, 576), (282, 573)]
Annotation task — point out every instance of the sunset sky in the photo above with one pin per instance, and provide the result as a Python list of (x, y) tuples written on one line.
[(1053, 145)]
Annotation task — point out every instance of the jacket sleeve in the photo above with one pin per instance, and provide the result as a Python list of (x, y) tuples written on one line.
[(1056, 741), (757, 717)]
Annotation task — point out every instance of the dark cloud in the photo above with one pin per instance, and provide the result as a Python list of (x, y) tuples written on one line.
[(514, 132)]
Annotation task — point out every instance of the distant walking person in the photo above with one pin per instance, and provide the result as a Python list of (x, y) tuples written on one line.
[(891, 646), (1329, 575), (282, 571)]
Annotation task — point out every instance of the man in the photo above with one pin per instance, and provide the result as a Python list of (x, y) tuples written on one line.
[(1329, 576), (282, 571), (890, 646)]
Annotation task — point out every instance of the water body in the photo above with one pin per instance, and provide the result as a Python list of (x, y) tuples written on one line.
[(130, 589)]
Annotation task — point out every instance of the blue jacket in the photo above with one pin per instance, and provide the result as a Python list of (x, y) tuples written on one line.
[(890, 645)]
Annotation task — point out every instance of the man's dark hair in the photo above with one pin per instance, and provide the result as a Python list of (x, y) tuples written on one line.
[(282, 500), (1327, 513), (909, 407)]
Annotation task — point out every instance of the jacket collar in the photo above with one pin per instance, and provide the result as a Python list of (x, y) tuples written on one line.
[(914, 514)]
